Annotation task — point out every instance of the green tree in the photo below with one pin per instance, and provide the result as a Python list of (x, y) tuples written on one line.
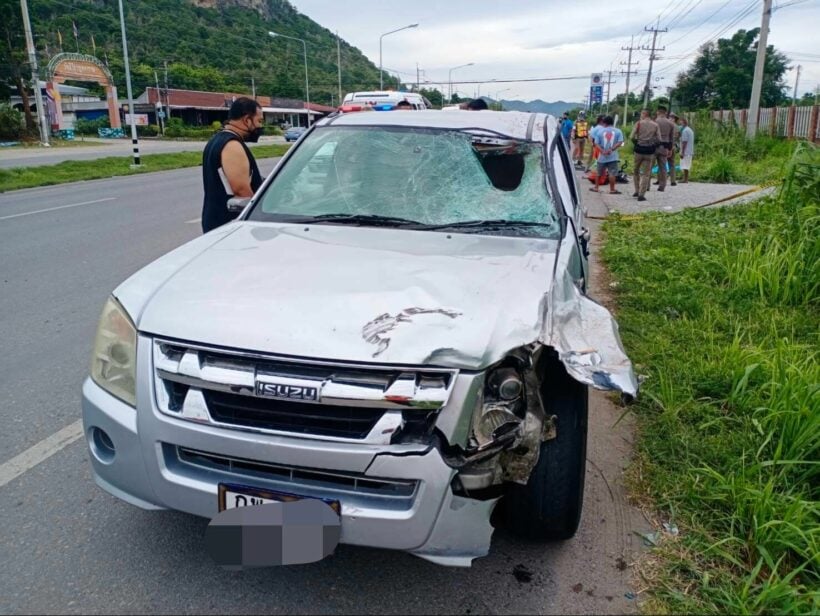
[(433, 95), (807, 100), (13, 60), (721, 76), (217, 47)]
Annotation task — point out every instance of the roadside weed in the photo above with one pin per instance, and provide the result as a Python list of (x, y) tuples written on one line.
[(720, 308)]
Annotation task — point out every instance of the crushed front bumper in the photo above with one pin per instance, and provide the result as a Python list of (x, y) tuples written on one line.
[(392, 496)]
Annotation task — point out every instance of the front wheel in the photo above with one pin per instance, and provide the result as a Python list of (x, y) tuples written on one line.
[(549, 506)]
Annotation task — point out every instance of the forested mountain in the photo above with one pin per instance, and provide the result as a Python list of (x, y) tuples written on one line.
[(217, 45)]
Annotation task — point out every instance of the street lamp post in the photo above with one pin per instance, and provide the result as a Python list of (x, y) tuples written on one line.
[(498, 100), (381, 73), (450, 80), (307, 81)]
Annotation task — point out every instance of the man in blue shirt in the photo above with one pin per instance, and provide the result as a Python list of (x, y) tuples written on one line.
[(566, 128), (609, 140)]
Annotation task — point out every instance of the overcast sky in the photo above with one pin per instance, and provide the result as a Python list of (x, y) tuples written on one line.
[(526, 39)]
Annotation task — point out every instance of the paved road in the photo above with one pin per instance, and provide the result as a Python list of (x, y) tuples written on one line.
[(36, 156), (68, 547)]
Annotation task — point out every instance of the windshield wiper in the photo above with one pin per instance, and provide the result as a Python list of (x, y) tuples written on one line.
[(360, 219), (490, 224)]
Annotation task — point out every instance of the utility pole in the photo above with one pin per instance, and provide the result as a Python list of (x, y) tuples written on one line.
[(608, 83), (796, 81), (339, 63), (167, 94), (253, 87), (35, 77), (417, 76), (652, 59), (134, 141), (159, 102), (628, 72), (760, 62)]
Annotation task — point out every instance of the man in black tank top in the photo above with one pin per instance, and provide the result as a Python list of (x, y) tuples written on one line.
[(228, 167)]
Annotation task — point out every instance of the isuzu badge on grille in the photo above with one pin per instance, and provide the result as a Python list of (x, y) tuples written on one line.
[(289, 392)]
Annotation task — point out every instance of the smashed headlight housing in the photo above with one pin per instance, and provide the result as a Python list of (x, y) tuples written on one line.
[(504, 404)]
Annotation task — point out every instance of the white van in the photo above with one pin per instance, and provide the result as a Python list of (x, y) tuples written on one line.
[(387, 97)]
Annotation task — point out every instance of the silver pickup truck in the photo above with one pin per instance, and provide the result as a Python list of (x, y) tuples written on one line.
[(396, 323)]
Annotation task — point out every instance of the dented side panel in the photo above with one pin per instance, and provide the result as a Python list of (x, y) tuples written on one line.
[(585, 334)]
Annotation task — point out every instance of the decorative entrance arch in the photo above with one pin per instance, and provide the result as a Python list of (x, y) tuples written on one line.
[(81, 67)]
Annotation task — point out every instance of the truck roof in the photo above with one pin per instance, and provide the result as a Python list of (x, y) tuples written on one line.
[(514, 124)]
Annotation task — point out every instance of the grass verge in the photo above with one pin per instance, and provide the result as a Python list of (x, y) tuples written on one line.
[(76, 170), (719, 309)]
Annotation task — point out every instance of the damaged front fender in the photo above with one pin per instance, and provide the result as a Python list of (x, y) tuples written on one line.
[(585, 335)]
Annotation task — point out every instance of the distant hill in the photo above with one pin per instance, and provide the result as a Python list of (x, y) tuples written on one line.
[(213, 45), (539, 106)]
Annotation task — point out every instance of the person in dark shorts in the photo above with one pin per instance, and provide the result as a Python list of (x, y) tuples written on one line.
[(608, 139), (228, 167)]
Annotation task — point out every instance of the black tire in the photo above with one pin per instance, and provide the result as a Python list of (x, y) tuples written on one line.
[(549, 507)]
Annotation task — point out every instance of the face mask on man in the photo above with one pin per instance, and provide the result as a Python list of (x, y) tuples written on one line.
[(253, 133)]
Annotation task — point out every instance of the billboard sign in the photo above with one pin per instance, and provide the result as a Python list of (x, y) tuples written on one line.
[(596, 94), (140, 119)]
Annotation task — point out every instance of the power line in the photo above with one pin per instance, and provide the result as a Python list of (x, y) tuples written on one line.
[(688, 32), (681, 17), (628, 72), (669, 7), (737, 19), (652, 58)]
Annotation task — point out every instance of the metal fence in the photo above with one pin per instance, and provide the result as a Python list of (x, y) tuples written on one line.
[(788, 122)]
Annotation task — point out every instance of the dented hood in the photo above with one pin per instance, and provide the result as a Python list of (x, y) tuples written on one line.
[(351, 293)]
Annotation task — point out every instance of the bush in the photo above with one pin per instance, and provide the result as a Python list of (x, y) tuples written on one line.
[(272, 129), (152, 130), (721, 170), (90, 127), (176, 128), (11, 123)]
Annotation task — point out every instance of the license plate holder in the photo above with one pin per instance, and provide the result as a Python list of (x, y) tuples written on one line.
[(257, 496)]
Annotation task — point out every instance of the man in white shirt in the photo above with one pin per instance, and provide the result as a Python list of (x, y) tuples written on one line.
[(687, 147)]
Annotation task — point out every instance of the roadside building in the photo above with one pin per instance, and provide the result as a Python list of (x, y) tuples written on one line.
[(76, 103), (197, 108)]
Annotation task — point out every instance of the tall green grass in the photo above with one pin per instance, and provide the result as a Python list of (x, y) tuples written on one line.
[(724, 155), (719, 308)]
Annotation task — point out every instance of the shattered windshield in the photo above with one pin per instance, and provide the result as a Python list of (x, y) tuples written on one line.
[(418, 178)]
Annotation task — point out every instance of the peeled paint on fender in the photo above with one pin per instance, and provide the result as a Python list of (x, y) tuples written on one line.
[(287, 533)]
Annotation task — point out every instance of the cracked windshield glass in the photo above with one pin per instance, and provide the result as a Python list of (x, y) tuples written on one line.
[(433, 178)]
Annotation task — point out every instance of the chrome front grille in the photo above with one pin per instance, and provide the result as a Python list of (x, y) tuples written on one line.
[(303, 399), (350, 488), (287, 416)]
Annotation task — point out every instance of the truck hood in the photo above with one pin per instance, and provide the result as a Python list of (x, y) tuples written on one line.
[(344, 293)]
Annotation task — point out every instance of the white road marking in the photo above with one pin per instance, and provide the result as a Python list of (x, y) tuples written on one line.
[(59, 207), (40, 452), (192, 221)]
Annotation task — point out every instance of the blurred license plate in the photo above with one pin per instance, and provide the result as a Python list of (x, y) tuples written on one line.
[(234, 495)]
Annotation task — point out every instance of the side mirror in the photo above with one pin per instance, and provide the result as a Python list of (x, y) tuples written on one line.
[(237, 204)]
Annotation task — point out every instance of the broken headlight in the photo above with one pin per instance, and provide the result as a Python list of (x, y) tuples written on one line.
[(503, 408), (113, 360)]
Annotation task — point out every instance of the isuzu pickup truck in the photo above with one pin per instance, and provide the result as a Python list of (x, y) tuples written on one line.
[(396, 323)]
